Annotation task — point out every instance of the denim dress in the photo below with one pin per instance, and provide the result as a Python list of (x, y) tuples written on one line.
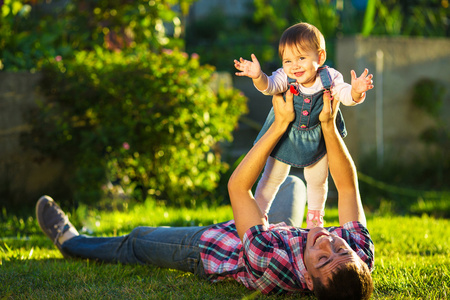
[(303, 144)]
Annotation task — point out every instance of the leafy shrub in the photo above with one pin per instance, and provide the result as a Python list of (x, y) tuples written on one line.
[(32, 32), (26, 39), (148, 122)]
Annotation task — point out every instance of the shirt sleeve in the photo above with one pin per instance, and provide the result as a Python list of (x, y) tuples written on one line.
[(359, 239), (267, 260), (342, 90), (276, 83)]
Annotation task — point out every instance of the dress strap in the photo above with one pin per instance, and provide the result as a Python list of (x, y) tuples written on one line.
[(325, 77)]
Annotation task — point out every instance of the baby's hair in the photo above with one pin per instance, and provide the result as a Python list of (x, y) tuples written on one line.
[(301, 36)]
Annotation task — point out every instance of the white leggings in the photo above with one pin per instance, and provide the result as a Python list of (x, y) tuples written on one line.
[(275, 172)]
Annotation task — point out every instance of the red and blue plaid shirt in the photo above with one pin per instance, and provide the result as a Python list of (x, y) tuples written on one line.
[(270, 259)]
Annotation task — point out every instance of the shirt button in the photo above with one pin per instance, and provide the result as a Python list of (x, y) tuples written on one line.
[(305, 113), (307, 100)]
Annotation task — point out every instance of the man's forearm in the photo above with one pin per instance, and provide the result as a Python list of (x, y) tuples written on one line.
[(245, 209), (343, 171), (339, 159), (251, 166)]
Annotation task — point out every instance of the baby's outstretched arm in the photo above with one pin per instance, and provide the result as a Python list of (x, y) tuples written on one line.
[(253, 70), (361, 84), (248, 68)]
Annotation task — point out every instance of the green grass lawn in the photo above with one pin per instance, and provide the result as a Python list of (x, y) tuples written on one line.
[(412, 258)]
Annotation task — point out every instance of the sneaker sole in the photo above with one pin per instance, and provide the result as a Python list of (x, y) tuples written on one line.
[(39, 208)]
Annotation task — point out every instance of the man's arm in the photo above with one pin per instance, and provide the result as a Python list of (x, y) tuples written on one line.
[(245, 209), (341, 164)]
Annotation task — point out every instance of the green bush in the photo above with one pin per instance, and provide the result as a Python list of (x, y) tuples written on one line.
[(26, 39), (31, 32), (147, 122)]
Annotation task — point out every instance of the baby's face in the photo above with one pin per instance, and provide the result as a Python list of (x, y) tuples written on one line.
[(301, 65)]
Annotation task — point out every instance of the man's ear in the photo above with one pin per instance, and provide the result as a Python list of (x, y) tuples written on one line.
[(322, 57), (309, 281)]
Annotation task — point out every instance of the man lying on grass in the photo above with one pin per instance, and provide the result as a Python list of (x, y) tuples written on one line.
[(333, 262)]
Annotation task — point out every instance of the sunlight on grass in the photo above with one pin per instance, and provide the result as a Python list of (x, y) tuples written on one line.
[(412, 257), (149, 214), (422, 236)]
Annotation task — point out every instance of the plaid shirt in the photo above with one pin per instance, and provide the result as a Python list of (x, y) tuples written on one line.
[(270, 259)]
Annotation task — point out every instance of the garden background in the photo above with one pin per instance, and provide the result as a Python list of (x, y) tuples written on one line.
[(126, 108)]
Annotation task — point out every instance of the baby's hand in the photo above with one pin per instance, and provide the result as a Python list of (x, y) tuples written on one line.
[(248, 68), (362, 83)]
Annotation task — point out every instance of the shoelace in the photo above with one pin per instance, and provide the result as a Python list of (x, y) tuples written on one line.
[(61, 227)]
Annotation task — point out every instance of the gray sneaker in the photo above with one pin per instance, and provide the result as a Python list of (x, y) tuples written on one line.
[(52, 220)]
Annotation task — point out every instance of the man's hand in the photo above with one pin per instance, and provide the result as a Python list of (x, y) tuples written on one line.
[(248, 68), (330, 108), (284, 110), (361, 84)]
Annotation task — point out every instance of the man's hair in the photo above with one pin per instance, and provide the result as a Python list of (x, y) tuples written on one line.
[(301, 36), (352, 281)]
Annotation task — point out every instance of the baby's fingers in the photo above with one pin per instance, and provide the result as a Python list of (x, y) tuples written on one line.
[(364, 74), (243, 61), (353, 74), (369, 81), (254, 59), (238, 66)]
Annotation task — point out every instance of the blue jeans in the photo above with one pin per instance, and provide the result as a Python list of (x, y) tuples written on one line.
[(177, 247)]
